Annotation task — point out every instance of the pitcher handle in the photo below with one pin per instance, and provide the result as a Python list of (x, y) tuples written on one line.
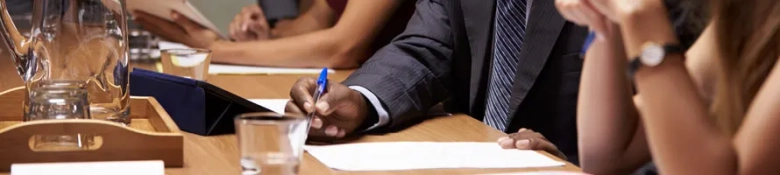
[(14, 39)]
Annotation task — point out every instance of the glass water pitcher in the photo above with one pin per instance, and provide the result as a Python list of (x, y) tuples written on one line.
[(81, 41)]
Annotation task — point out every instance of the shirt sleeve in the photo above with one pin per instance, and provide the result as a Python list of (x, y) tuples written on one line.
[(384, 118)]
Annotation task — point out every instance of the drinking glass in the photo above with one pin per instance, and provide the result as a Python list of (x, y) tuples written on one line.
[(55, 100), (270, 143), (188, 63)]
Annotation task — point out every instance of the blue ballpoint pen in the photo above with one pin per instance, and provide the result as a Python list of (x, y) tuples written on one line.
[(322, 83)]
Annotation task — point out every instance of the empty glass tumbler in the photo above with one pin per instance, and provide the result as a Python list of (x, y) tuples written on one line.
[(270, 143)]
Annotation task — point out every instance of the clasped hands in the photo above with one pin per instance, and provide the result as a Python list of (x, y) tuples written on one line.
[(599, 14)]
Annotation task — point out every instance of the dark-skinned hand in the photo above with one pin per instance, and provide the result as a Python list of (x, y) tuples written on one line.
[(338, 113), (526, 139)]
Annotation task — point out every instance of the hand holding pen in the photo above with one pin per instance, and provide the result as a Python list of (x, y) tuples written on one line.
[(338, 111)]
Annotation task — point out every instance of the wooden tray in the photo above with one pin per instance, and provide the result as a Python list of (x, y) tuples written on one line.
[(152, 135)]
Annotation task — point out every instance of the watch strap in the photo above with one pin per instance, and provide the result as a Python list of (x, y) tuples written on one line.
[(636, 62)]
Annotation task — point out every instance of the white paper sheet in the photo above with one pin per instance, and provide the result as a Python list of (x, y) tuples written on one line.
[(91, 168), (246, 70), (276, 105), (257, 70), (540, 173), (386, 156)]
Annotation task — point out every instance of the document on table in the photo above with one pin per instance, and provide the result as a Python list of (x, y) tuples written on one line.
[(91, 168), (276, 105), (540, 173), (256, 70), (245, 70), (386, 156)]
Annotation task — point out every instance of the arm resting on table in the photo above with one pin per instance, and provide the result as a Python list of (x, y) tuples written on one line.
[(411, 74)]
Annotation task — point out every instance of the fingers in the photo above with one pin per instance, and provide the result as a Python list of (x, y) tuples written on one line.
[(259, 29), (235, 30), (527, 139), (603, 7), (252, 12), (583, 13), (249, 25), (567, 9), (326, 106), (291, 108), (333, 97), (185, 22), (524, 139), (594, 19), (301, 93)]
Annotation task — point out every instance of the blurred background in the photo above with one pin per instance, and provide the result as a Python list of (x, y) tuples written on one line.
[(143, 45)]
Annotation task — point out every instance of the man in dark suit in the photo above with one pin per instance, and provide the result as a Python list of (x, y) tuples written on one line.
[(510, 63)]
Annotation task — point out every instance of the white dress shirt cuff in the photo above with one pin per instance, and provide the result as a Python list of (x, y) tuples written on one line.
[(384, 118)]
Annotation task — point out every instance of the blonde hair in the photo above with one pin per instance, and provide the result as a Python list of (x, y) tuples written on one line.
[(748, 40)]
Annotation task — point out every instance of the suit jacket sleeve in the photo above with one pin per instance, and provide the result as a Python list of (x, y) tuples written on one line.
[(412, 73)]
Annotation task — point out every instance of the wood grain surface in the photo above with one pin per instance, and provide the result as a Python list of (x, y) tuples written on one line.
[(219, 155)]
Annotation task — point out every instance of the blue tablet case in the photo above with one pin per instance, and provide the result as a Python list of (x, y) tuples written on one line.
[(196, 106)]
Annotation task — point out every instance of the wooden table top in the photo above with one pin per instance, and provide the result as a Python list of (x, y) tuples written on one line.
[(220, 154)]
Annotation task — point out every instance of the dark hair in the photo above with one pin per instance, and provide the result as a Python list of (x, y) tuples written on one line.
[(689, 17)]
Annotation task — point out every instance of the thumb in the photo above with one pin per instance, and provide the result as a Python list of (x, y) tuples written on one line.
[(185, 22), (332, 99), (325, 105)]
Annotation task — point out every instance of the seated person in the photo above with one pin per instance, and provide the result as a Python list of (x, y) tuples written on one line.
[(712, 110), (329, 33)]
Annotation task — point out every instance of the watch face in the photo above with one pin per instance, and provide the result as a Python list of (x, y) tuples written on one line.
[(652, 55)]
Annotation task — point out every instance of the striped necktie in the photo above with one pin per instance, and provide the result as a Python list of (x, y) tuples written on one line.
[(509, 33)]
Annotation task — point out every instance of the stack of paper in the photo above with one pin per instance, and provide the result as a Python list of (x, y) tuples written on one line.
[(385, 156), (540, 173)]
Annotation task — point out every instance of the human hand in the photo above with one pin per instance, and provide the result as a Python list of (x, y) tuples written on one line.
[(250, 25), (338, 113), (526, 139), (598, 14), (582, 12), (181, 29)]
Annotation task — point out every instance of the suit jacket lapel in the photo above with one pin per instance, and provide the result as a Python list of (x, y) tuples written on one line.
[(544, 26), (478, 20)]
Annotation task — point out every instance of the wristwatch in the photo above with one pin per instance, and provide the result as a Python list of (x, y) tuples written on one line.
[(652, 55)]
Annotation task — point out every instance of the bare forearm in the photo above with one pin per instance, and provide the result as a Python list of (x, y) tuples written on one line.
[(607, 120), (298, 26), (317, 16), (683, 138), (317, 49)]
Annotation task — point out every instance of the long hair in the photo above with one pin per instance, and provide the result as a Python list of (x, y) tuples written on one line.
[(748, 42)]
